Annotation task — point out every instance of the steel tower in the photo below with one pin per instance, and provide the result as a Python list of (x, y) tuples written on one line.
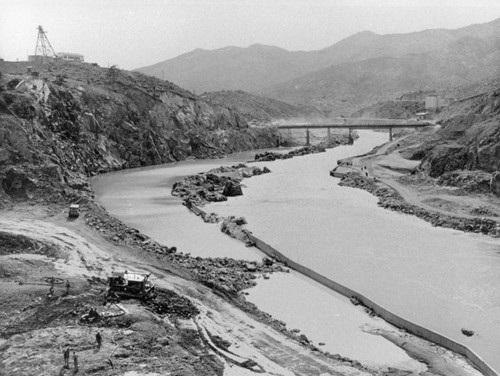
[(43, 46)]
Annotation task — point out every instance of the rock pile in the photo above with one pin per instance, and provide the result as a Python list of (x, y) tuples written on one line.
[(172, 304), (215, 185), (272, 156), (233, 227)]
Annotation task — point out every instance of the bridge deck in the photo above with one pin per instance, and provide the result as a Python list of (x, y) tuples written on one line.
[(357, 126)]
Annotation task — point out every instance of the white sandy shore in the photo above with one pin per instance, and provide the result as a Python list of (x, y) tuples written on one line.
[(325, 316)]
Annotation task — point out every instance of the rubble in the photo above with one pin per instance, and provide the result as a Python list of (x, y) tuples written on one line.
[(215, 185)]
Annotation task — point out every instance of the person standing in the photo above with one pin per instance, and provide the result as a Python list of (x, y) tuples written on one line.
[(75, 362), (98, 339), (66, 357), (67, 287)]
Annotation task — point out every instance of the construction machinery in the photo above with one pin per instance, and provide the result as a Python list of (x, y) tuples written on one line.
[(131, 285), (74, 211)]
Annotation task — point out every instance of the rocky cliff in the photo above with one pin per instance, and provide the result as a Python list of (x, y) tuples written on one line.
[(466, 150), (62, 122)]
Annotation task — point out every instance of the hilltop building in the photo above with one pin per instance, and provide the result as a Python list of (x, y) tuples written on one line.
[(432, 103), (44, 52), (69, 56)]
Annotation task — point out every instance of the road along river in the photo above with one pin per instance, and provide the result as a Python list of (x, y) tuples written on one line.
[(442, 279)]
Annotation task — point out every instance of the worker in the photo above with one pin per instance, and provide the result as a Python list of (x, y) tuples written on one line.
[(66, 357), (98, 339), (67, 286), (52, 283), (75, 362)]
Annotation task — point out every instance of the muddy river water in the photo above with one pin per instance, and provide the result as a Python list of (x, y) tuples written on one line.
[(442, 279)]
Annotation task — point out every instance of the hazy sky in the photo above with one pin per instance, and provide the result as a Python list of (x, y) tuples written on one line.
[(135, 33)]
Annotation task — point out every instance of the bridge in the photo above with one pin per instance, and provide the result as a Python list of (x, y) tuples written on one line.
[(350, 124)]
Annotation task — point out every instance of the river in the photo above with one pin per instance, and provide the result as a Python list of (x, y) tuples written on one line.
[(442, 279)]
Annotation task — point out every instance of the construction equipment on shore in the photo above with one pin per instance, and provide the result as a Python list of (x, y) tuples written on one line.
[(74, 211), (132, 285)]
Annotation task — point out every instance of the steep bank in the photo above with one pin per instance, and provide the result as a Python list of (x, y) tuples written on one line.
[(465, 149), (68, 121)]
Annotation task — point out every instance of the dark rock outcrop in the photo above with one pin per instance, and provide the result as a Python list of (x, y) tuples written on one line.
[(232, 188)]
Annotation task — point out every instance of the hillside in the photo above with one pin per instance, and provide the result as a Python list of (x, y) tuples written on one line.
[(233, 68), (331, 77), (391, 110), (257, 109), (77, 120), (467, 143), (347, 87)]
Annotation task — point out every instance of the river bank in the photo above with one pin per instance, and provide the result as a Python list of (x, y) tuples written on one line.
[(399, 186), (440, 361), (192, 186), (390, 199)]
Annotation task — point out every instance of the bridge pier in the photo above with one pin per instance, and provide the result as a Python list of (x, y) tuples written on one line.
[(389, 124), (329, 133)]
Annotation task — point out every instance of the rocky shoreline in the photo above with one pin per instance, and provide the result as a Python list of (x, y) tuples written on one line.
[(390, 199)]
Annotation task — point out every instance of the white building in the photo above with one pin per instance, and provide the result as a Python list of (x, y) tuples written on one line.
[(69, 56)]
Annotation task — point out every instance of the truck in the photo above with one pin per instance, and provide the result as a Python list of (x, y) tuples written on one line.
[(74, 211), (130, 285)]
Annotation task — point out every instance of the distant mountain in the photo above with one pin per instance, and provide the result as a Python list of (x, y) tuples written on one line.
[(333, 76), (349, 86), (233, 68), (257, 109)]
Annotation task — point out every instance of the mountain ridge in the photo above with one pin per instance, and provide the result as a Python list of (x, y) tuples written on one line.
[(258, 67)]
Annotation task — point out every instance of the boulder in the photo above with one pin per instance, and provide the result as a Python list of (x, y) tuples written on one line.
[(17, 184), (232, 188), (467, 332), (251, 267)]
